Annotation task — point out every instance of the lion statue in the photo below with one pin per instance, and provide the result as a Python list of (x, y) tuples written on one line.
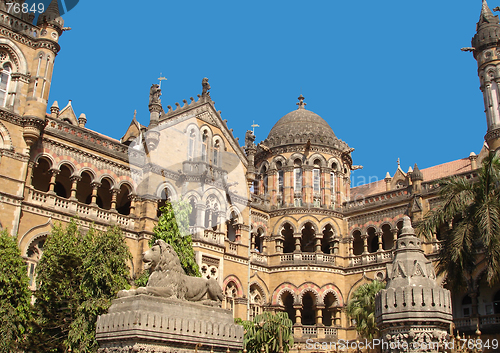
[(168, 279)]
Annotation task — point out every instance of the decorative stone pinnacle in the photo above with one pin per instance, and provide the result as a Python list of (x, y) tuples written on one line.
[(407, 228), (301, 103)]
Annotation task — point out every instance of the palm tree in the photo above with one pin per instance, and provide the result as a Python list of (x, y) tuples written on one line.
[(361, 308), (473, 208)]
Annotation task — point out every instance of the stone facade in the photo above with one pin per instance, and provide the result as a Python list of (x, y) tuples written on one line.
[(276, 222)]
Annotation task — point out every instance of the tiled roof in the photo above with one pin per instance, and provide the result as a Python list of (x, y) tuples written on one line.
[(432, 173)]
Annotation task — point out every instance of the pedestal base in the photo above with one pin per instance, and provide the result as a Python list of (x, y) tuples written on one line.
[(145, 323)]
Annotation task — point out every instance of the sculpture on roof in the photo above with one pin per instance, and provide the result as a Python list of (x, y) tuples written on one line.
[(206, 87), (249, 138), (154, 94), (168, 279)]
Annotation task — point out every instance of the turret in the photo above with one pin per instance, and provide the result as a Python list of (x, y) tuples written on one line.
[(486, 50)]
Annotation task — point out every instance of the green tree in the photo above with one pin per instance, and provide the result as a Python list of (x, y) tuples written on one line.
[(473, 207), (173, 228), (78, 276), (15, 296), (361, 308), (265, 330)]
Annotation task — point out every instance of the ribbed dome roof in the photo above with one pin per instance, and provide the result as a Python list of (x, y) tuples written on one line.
[(300, 126), (488, 30)]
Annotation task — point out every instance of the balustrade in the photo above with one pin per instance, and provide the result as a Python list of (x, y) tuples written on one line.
[(74, 207)]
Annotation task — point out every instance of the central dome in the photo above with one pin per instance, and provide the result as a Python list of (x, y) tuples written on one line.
[(302, 126)]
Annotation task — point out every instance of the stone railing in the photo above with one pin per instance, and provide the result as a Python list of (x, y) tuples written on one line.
[(470, 323), (299, 258), (76, 208), (259, 258), (232, 248), (314, 331), (371, 258), (209, 236)]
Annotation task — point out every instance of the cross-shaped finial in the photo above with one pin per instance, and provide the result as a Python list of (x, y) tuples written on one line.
[(161, 78), (254, 125), (135, 113), (301, 103), (399, 164)]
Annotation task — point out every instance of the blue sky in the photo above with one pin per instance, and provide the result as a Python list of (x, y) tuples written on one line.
[(388, 76)]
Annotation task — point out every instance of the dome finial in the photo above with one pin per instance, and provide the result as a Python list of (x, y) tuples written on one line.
[(301, 103)]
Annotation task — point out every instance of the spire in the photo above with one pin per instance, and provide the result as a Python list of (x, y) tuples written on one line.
[(417, 174), (301, 103), (486, 15), (51, 15), (488, 30)]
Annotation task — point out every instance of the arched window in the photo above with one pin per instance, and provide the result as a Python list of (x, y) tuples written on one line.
[(41, 175), (231, 226), (330, 309), (308, 239), (231, 293), (467, 306), (308, 312), (63, 182), (256, 301), (84, 189), (164, 198), (332, 187), (372, 240), (357, 243), (327, 241), (211, 213), (4, 83), (287, 300), (387, 237), (104, 194), (123, 200), (34, 254), (258, 240), (204, 146), (216, 153), (191, 145), (288, 240), (297, 183)]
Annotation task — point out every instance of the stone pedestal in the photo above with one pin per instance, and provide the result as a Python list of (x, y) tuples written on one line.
[(146, 323)]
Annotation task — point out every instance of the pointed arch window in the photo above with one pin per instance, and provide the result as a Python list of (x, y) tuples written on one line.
[(216, 153), (332, 186), (5, 76), (204, 146), (191, 145)]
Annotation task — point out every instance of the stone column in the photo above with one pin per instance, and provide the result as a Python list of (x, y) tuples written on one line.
[(52, 182), (298, 314), (379, 236), (95, 185), (279, 244), (133, 199), (29, 173), (394, 237), (337, 317), (297, 237), (365, 243), (318, 238), (200, 214), (114, 193), (319, 314), (336, 247), (74, 183)]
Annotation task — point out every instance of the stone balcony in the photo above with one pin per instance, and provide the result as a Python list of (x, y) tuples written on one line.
[(75, 208), (486, 323), (371, 258), (303, 332)]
